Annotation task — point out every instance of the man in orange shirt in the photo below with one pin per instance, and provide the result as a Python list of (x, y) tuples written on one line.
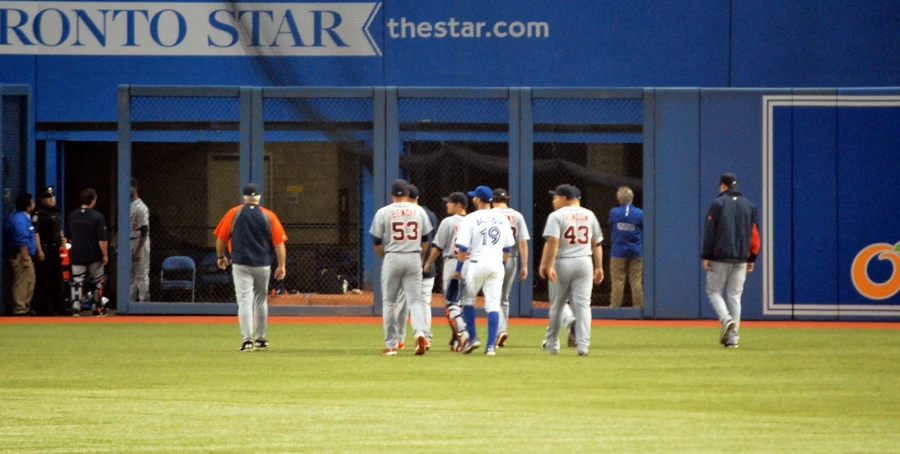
[(250, 232)]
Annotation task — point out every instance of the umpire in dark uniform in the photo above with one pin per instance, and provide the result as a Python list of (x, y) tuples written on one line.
[(48, 298)]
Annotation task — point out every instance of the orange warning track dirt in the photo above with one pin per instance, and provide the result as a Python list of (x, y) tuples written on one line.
[(314, 320)]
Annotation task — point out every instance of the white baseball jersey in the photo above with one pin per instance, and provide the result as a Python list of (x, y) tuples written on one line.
[(485, 233), (402, 227), (577, 229), (445, 239), (140, 217), (519, 229)]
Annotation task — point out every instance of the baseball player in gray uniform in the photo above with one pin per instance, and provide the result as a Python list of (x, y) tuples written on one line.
[(444, 245), (520, 249), (140, 247), (401, 232), (573, 235), (427, 283)]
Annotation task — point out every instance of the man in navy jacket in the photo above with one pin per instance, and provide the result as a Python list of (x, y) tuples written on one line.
[(730, 247)]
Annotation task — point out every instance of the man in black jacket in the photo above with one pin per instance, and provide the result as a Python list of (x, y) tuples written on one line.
[(730, 247)]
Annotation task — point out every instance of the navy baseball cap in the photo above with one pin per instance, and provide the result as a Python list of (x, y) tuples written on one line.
[(484, 193), (567, 190), (48, 192), (400, 187), (457, 197), (728, 179), (501, 193), (251, 190), (413, 192)]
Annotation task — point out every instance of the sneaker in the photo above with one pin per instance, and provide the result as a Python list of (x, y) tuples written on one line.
[(501, 339), (420, 345), (463, 341), (262, 344), (731, 345), (454, 345), (389, 351), (726, 331), (471, 346), (99, 311), (400, 346), (247, 346), (573, 341), (544, 345), (490, 351), (584, 353), (427, 344)]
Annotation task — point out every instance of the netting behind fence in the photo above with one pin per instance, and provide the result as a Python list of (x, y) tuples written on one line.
[(319, 166), (453, 145), (185, 156), (594, 144), (12, 152)]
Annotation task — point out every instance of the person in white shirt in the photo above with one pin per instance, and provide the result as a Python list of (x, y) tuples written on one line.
[(484, 240)]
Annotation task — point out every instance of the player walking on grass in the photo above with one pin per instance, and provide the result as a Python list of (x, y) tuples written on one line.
[(401, 232), (427, 281), (573, 235), (445, 246), (485, 239), (250, 232), (730, 247), (519, 249)]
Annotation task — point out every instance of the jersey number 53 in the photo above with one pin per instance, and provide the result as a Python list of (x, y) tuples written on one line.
[(403, 231)]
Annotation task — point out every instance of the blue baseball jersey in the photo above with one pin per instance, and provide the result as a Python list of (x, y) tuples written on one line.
[(20, 232), (627, 224)]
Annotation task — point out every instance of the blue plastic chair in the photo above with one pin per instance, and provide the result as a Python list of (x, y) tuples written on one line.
[(179, 263)]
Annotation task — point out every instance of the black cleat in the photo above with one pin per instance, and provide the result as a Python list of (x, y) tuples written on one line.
[(247, 346), (262, 344)]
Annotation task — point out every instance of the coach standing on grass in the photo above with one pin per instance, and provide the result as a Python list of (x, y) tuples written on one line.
[(250, 232), (730, 246)]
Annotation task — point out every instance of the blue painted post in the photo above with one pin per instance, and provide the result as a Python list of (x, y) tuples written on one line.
[(515, 302), (2, 206), (247, 119), (649, 132), (392, 149), (123, 201), (258, 143), (50, 169), (28, 132), (61, 179), (526, 194), (382, 124)]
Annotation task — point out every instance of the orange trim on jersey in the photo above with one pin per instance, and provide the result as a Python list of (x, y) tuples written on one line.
[(754, 241), (223, 230), (278, 234)]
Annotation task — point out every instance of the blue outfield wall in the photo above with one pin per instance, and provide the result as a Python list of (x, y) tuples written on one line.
[(814, 162)]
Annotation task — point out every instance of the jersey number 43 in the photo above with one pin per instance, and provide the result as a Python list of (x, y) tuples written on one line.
[(404, 230), (579, 237)]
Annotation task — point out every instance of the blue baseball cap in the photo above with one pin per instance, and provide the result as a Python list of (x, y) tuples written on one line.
[(484, 193)]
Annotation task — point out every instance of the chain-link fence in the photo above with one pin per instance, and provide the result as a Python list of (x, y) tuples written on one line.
[(13, 150), (319, 171), (185, 158), (451, 145), (596, 145)]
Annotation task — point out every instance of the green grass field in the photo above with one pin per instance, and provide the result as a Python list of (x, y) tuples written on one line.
[(326, 388)]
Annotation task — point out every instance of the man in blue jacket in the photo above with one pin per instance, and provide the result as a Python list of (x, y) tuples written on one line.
[(21, 246), (730, 247), (627, 224)]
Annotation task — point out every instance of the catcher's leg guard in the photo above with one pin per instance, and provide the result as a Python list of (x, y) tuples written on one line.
[(455, 319)]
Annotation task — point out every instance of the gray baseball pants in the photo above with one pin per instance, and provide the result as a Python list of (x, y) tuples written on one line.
[(511, 273), (574, 283), (729, 277), (403, 302), (402, 271), (139, 287), (251, 287)]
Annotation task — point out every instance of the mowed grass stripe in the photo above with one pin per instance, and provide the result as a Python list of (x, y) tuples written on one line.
[(326, 388)]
